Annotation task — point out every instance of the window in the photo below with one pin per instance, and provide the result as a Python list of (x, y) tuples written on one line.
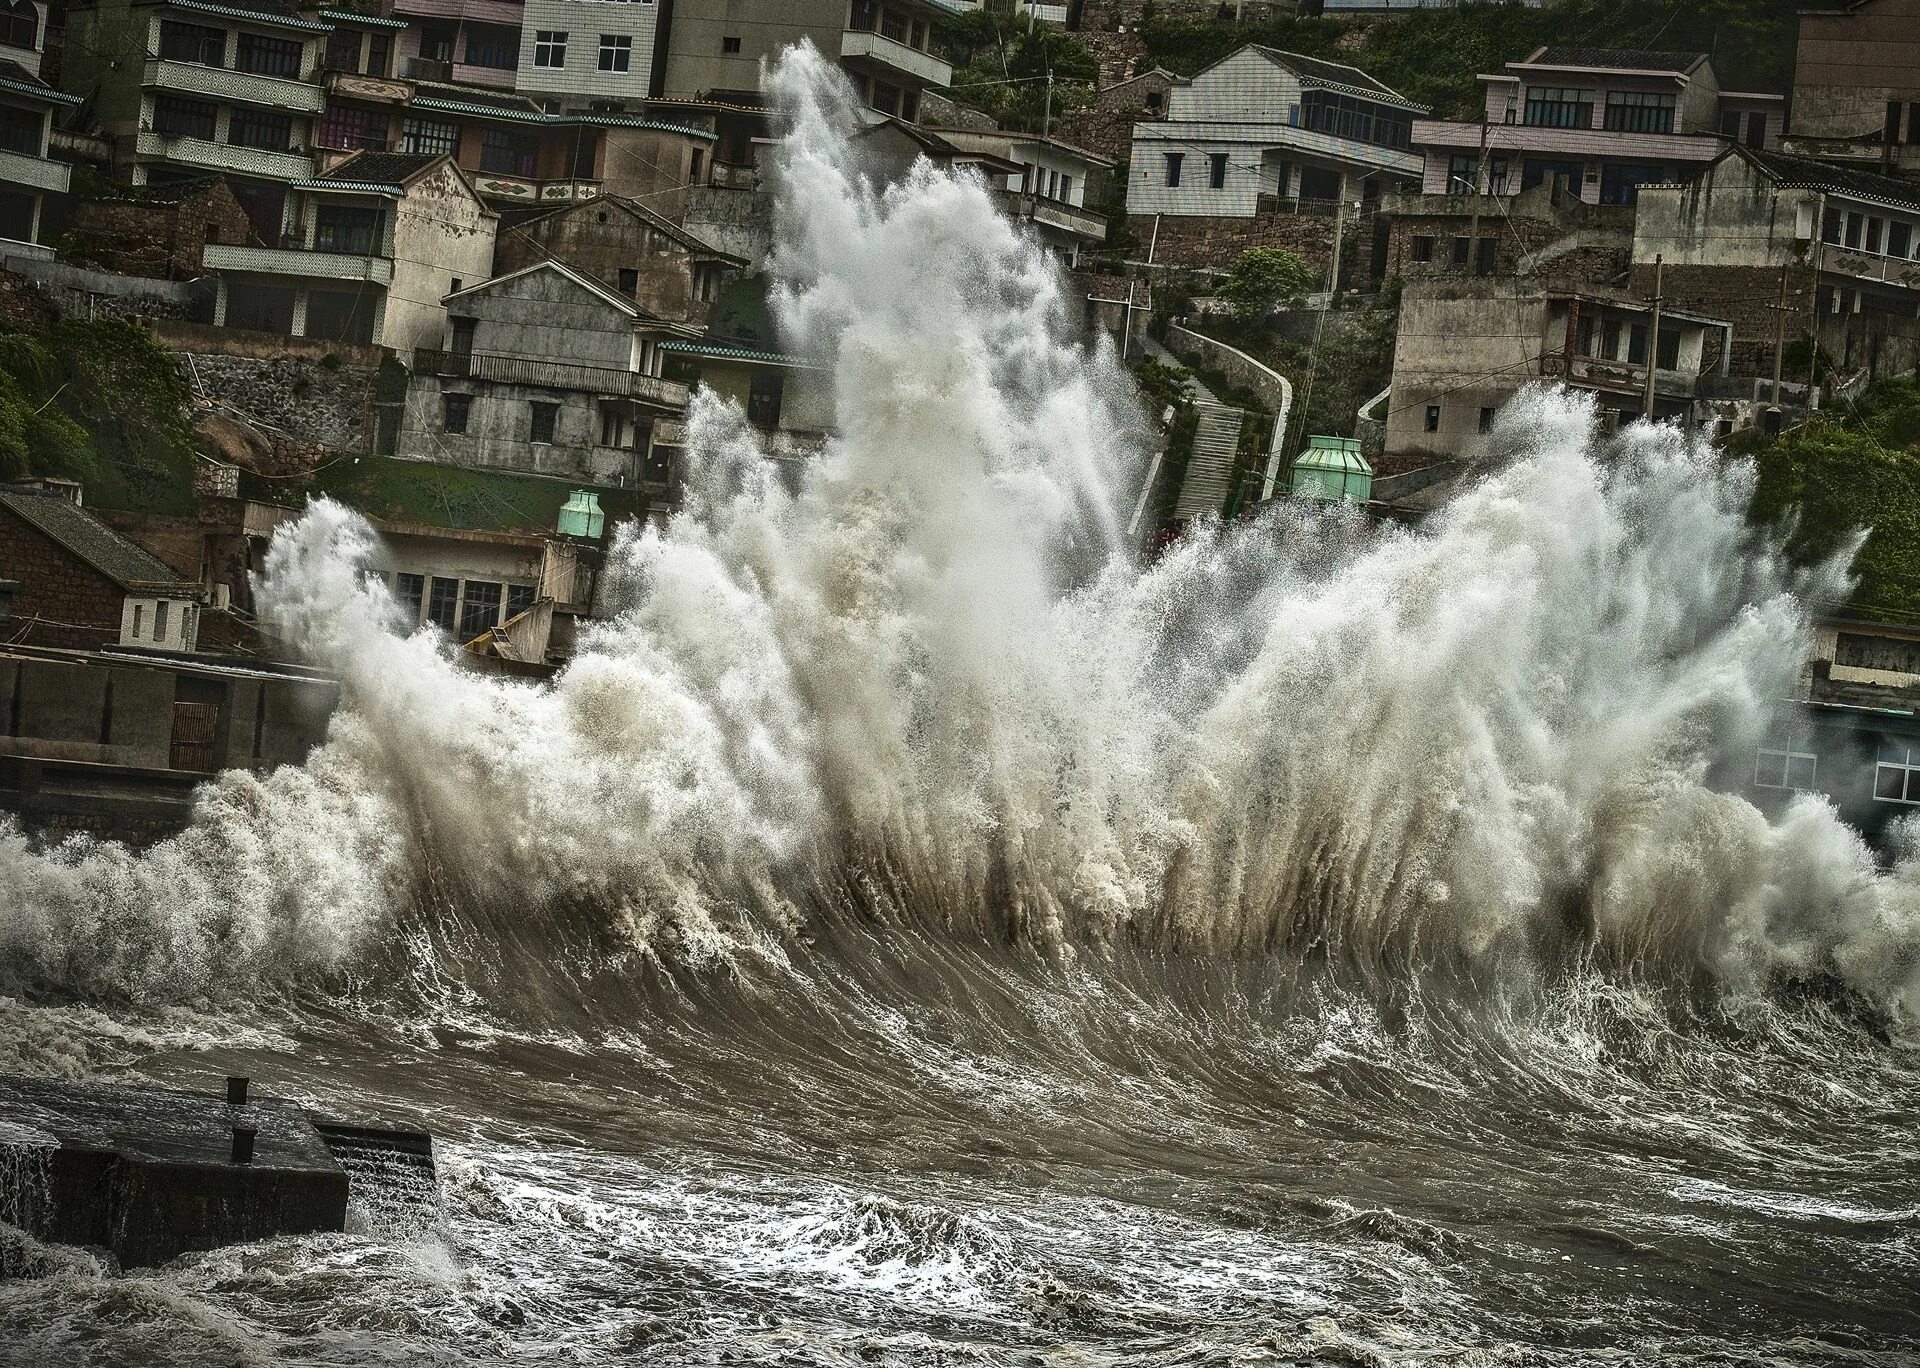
[(1830, 227), (1462, 247), (543, 416), (1873, 235), (1423, 248), (258, 128), (139, 623), (443, 602), (176, 118), (1559, 107), (764, 395), (489, 46), (1855, 222), (191, 43), (463, 336), (1344, 116), (21, 129), (1433, 417), (696, 163), (436, 40), (1899, 239), (629, 282), (1637, 111), (267, 56), (1896, 776), (1637, 344), (1154, 100), (408, 591), (346, 228), (348, 126), (505, 152), (479, 608), (1173, 168), (160, 620), (729, 44), (1667, 355), (20, 25), (613, 425), (1463, 174), (616, 52), (1217, 170), (379, 54), (1486, 419), (454, 409), (520, 597), (343, 49), (1485, 252), (429, 137), (550, 48), (1788, 769)]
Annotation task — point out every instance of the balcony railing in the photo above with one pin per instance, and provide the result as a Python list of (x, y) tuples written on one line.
[(537, 374), (1864, 265), (308, 262), (241, 87), (249, 161), (376, 89), (1059, 214), (1629, 375), (18, 168), (727, 176), (520, 190), (918, 67)]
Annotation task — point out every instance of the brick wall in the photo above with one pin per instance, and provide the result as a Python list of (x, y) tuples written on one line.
[(79, 607), (1545, 250), (1743, 296), (1106, 126), (155, 239)]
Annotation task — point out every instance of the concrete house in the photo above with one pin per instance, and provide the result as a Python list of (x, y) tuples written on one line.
[(183, 87), (1856, 87), (888, 48), (789, 399), (27, 107), (1601, 121), (469, 42), (1842, 245), (1466, 347), (370, 250), (83, 585), (627, 247), (1545, 232), (1050, 190), (1263, 128), (545, 371)]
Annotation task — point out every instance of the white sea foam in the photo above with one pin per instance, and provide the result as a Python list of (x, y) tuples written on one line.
[(930, 675)]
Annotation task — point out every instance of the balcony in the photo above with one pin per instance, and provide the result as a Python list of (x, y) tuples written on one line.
[(1628, 377), (519, 190), (521, 370), (504, 13), (216, 156), (1066, 217), (304, 262), (1867, 154), (373, 89), (17, 168), (1889, 270), (239, 87), (727, 176), (903, 62)]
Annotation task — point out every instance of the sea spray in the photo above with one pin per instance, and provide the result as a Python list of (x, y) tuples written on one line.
[(927, 679)]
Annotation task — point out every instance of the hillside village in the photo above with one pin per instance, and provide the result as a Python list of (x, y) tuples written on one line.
[(462, 263)]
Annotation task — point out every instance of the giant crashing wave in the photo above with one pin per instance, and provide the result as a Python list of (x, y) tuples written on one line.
[(929, 685)]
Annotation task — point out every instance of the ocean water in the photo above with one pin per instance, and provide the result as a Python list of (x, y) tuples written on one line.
[(914, 931)]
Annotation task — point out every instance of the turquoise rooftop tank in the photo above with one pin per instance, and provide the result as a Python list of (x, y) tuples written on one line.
[(1333, 468), (580, 516)]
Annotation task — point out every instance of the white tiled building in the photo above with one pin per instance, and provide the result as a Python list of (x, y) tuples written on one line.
[(1263, 125)]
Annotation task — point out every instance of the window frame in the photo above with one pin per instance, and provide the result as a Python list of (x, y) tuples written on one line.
[(616, 53), (1788, 759), (550, 49), (542, 416)]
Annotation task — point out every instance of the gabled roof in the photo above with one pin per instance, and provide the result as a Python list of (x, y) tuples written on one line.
[(20, 81), (645, 215), (723, 351), (585, 282), (981, 140), (1616, 59), (86, 537), (1174, 77), (1334, 75), (382, 168), (937, 147), (1798, 173)]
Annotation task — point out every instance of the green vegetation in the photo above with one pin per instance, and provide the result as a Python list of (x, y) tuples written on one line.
[(445, 496), (1432, 56), (97, 401), (1160, 390), (1853, 467), (1261, 279), (1001, 66), (1351, 364)]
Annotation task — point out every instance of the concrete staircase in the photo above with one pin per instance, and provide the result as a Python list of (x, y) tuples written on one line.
[(1216, 446)]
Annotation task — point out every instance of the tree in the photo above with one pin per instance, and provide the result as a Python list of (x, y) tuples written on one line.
[(1261, 278)]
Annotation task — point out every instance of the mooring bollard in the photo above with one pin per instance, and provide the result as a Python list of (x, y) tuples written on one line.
[(243, 1144), (236, 1092)]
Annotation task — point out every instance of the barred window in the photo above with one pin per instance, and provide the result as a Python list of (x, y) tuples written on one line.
[(177, 118), (267, 56), (260, 128), (429, 136)]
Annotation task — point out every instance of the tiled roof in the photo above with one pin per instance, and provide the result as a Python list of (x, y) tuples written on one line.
[(720, 351), (259, 11), (15, 77), (696, 245), (86, 537), (1800, 174), (1616, 59), (381, 168), (1329, 73)]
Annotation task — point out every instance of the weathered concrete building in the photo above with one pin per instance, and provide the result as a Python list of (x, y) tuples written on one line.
[(889, 48), (1601, 121), (180, 88), (1842, 246), (1545, 233), (27, 106), (1466, 347), (1055, 188), (1262, 127), (371, 249), (627, 247), (1856, 87), (157, 231), (787, 398), (83, 585), (546, 371)]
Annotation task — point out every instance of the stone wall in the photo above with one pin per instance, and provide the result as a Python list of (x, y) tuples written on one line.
[(1106, 126), (80, 292), (307, 400), (63, 601), (1218, 242), (139, 234)]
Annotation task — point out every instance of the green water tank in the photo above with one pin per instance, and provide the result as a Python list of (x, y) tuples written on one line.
[(1332, 468), (580, 516)]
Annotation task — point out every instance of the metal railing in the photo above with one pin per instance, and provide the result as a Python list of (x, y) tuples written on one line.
[(524, 370)]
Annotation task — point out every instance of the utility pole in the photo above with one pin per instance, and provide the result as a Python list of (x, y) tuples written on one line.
[(1480, 179), (1653, 336), (1780, 334), (1046, 116)]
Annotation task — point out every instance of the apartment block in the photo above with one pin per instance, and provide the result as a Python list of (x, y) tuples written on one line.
[(27, 107)]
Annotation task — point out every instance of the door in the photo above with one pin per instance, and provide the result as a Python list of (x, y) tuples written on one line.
[(194, 725)]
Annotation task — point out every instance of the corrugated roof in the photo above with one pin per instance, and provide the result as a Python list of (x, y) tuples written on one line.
[(86, 537), (1798, 173), (1616, 59)]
